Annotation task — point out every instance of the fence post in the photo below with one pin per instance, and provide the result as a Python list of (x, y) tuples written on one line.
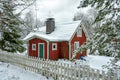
[(87, 73), (79, 73), (73, 72), (67, 71), (60, 72), (61, 69)]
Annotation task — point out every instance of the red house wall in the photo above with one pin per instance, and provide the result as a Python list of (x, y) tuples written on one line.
[(64, 50), (35, 52), (81, 40), (54, 54)]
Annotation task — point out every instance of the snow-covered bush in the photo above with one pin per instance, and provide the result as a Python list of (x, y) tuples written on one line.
[(113, 68)]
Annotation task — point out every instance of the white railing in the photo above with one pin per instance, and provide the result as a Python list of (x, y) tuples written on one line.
[(55, 69)]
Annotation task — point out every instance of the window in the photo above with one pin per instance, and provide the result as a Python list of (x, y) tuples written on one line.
[(54, 46), (79, 32), (33, 46), (76, 45)]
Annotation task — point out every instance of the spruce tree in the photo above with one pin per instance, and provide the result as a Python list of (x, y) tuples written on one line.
[(106, 39), (9, 26)]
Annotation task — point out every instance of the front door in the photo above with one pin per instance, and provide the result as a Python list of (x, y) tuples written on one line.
[(41, 50)]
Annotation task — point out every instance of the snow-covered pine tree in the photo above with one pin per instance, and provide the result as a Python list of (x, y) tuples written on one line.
[(106, 38), (9, 23)]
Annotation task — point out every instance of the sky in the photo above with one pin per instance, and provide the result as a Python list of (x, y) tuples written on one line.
[(61, 10)]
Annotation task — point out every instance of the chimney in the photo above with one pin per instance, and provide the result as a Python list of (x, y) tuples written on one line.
[(50, 25)]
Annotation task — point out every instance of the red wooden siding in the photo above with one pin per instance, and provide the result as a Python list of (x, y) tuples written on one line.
[(81, 40), (54, 54), (64, 50), (61, 52), (35, 52)]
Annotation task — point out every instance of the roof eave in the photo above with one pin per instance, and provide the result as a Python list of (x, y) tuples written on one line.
[(35, 36), (52, 40)]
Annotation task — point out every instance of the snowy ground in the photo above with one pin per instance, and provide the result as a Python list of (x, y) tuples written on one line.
[(10, 72), (95, 62)]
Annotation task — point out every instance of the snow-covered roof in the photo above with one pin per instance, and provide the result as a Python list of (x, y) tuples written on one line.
[(62, 32)]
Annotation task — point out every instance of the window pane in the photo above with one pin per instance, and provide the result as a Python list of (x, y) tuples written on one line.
[(33, 46), (76, 45), (54, 46)]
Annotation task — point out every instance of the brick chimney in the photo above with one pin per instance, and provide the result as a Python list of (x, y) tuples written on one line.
[(50, 25)]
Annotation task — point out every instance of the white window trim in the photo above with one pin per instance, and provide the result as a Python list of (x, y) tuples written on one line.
[(33, 47), (54, 44), (77, 44), (79, 32)]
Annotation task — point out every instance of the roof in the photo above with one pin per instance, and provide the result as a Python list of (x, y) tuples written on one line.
[(62, 32)]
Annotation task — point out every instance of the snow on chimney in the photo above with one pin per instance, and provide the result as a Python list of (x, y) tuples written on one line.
[(50, 25)]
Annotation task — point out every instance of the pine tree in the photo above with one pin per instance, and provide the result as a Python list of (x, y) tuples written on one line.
[(106, 39), (9, 23)]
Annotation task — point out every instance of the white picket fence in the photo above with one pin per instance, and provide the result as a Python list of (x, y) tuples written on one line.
[(55, 69)]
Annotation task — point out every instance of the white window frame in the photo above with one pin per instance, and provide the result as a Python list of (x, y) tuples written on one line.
[(33, 46), (54, 44), (79, 32), (76, 45)]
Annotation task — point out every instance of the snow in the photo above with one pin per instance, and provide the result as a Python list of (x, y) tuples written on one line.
[(62, 32), (118, 63), (10, 72), (1, 8), (97, 62), (94, 61), (23, 53)]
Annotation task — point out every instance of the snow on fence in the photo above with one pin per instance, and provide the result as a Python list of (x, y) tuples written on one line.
[(55, 69)]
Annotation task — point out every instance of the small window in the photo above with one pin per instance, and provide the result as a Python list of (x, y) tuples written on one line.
[(79, 32), (54, 46), (33, 46), (76, 45)]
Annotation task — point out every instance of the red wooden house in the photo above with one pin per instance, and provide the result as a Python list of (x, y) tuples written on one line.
[(55, 41)]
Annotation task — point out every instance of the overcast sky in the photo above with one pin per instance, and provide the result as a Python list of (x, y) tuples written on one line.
[(61, 10)]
